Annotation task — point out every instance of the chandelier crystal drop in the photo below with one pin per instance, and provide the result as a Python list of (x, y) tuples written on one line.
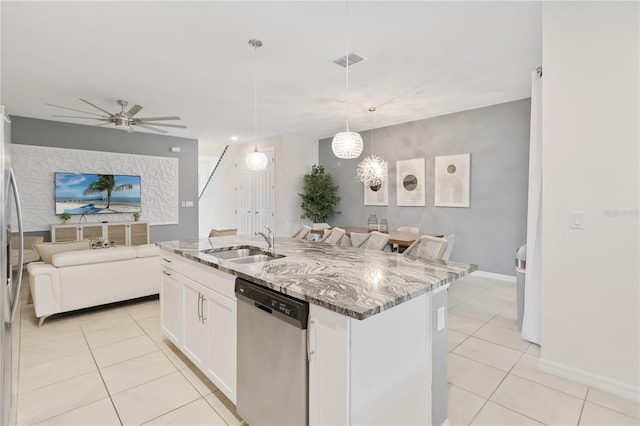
[(372, 171), (347, 145)]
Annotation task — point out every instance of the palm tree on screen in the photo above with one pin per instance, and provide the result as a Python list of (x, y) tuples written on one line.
[(106, 183)]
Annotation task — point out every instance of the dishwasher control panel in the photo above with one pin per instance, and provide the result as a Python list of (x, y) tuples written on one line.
[(293, 311)]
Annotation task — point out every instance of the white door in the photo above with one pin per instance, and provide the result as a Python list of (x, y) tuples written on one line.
[(195, 329), (255, 197), (222, 343), (244, 207), (264, 196), (171, 306)]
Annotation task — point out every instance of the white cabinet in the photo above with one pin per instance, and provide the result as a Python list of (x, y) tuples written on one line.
[(196, 333), (119, 233), (221, 312), (171, 318), (371, 372), (198, 308)]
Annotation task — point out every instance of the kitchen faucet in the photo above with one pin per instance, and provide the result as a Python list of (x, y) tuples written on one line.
[(270, 239)]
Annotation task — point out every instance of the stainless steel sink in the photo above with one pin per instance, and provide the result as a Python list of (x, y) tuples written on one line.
[(243, 254), (234, 253), (257, 258)]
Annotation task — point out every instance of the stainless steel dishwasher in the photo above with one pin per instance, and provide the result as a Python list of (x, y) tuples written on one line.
[(272, 369)]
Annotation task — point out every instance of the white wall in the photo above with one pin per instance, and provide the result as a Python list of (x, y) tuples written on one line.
[(591, 291), (295, 154)]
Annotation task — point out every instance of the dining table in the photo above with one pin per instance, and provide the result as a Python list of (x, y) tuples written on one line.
[(401, 238)]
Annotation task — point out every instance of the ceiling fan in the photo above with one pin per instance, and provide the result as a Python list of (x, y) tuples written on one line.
[(123, 119)]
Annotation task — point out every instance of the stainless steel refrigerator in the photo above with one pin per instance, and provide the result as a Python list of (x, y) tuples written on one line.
[(12, 276)]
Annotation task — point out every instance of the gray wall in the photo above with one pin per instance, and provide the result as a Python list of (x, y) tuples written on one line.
[(31, 131), (487, 233)]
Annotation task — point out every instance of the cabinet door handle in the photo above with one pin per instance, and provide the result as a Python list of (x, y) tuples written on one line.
[(166, 260), (166, 273), (311, 339), (199, 307), (204, 319)]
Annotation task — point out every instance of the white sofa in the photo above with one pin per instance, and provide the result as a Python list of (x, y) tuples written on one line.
[(84, 278)]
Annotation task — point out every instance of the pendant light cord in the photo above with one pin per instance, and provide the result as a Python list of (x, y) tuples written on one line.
[(255, 94), (346, 31)]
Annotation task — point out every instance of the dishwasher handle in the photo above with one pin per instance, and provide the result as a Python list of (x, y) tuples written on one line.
[(264, 308)]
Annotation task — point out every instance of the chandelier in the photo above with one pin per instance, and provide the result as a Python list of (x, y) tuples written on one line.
[(347, 144), (256, 160), (372, 170)]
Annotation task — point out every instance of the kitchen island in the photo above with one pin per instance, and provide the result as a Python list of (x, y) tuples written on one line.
[(377, 323)]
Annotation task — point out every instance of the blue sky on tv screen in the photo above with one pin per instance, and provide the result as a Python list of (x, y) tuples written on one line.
[(72, 185)]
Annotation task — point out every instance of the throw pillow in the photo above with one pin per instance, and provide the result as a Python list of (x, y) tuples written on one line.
[(47, 250)]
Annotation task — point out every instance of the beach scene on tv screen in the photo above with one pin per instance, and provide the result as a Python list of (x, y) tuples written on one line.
[(81, 193)]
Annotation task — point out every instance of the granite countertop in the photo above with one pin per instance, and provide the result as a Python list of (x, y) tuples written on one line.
[(353, 282)]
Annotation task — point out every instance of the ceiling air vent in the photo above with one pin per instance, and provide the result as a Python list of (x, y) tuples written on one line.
[(354, 58)]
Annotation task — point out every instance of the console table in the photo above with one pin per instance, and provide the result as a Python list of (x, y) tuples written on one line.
[(118, 233)]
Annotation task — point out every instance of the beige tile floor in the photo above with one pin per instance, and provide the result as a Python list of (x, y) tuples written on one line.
[(493, 374), (112, 366)]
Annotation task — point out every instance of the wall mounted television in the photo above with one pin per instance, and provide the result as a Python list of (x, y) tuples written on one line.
[(83, 193)]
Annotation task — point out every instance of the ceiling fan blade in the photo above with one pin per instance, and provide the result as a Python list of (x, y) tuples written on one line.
[(97, 107), (134, 110), (86, 118), (158, 118), (151, 128), (76, 110), (178, 126)]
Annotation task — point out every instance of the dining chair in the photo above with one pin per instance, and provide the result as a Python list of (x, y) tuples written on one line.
[(375, 241), (451, 239), (302, 233), (346, 242), (413, 229), (357, 238), (427, 247), (333, 237), (222, 232)]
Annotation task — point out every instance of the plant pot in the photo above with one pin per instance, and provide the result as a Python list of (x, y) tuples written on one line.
[(317, 226)]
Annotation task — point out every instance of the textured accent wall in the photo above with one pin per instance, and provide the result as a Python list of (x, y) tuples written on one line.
[(55, 134), (34, 167), (489, 232)]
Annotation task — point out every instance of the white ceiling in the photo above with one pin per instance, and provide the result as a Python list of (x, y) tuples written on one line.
[(192, 59)]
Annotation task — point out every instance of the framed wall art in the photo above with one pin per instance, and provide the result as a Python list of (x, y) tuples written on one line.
[(452, 180), (377, 195), (410, 188)]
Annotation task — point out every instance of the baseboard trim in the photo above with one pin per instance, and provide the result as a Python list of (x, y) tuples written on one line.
[(621, 389), (493, 275)]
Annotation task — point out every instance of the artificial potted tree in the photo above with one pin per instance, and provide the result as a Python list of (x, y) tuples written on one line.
[(320, 196), (65, 217)]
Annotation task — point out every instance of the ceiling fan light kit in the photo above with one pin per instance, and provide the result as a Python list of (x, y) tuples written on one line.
[(347, 145), (123, 119), (256, 160)]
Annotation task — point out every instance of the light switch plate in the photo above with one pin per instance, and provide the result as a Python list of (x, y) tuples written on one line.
[(440, 321), (577, 220)]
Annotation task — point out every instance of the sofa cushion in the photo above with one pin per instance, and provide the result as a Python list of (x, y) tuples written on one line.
[(147, 250), (48, 250), (87, 257)]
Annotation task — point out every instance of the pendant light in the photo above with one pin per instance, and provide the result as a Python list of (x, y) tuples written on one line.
[(372, 170), (347, 144), (256, 160)]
